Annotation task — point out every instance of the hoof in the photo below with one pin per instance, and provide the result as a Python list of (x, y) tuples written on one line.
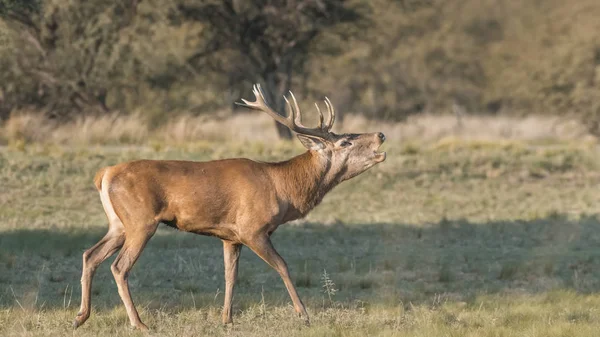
[(141, 326), (79, 320), (305, 317), (77, 323)]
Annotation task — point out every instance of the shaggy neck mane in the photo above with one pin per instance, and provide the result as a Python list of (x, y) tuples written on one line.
[(304, 180)]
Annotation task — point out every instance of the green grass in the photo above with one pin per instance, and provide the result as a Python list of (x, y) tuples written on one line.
[(451, 239)]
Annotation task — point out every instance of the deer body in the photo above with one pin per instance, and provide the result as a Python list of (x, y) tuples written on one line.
[(240, 201), (249, 193)]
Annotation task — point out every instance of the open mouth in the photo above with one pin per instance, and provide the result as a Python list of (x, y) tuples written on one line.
[(379, 155)]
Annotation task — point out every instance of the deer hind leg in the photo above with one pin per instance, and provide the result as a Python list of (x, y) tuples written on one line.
[(231, 254), (105, 248), (263, 247), (92, 258), (132, 248)]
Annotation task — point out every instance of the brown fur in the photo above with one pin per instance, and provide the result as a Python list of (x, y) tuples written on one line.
[(240, 201)]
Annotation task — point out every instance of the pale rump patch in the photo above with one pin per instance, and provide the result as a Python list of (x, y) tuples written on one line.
[(115, 223)]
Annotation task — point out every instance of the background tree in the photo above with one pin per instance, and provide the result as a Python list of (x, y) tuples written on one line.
[(66, 56), (162, 57), (267, 41)]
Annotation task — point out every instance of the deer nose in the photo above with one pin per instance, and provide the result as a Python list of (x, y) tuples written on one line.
[(381, 136)]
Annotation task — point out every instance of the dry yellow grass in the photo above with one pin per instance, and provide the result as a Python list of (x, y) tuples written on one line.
[(30, 127)]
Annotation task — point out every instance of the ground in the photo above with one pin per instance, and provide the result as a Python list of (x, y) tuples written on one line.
[(452, 238)]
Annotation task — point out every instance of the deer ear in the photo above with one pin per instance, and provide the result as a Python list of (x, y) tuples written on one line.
[(311, 143)]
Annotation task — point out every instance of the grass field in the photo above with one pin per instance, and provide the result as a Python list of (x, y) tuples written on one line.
[(452, 238)]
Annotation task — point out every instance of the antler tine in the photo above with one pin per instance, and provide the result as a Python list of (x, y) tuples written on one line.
[(257, 95), (331, 111), (261, 104), (297, 117), (292, 116), (320, 115)]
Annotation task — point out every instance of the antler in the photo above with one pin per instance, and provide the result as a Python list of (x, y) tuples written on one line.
[(294, 120)]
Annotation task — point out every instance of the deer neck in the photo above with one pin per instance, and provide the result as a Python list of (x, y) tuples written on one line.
[(303, 181)]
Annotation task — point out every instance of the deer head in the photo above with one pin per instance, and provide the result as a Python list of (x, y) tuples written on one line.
[(348, 154)]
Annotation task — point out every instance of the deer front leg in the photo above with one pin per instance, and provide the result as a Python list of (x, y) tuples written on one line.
[(231, 254), (263, 247)]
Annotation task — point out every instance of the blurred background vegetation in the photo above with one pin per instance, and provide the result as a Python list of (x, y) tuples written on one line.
[(384, 59)]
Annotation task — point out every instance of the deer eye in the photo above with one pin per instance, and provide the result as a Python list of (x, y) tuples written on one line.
[(345, 143)]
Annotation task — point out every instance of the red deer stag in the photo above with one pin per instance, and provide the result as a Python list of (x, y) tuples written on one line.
[(240, 201)]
